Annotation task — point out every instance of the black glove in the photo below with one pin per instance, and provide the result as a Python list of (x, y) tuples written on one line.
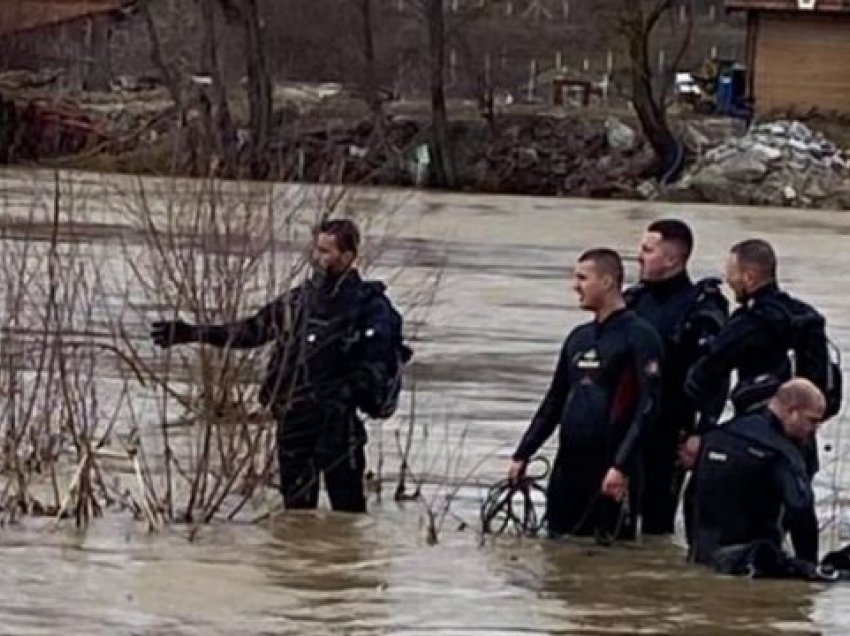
[(172, 332)]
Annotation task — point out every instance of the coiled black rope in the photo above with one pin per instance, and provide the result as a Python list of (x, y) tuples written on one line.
[(510, 504)]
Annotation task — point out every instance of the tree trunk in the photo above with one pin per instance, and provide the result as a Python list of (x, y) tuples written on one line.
[(98, 71), (172, 83), (649, 111), (221, 130), (176, 90), (370, 76), (649, 107), (441, 153), (259, 89)]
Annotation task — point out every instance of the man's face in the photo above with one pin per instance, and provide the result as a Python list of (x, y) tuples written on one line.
[(327, 257), (736, 278), (801, 423), (657, 258), (591, 286)]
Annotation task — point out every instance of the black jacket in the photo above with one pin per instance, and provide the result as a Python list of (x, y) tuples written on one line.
[(331, 340), (756, 342), (687, 316), (605, 391), (750, 482)]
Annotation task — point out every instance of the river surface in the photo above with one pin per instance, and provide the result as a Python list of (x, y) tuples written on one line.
[(485, 346)]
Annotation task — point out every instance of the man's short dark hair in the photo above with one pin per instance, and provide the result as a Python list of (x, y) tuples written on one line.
[(344, 231), (757, 255), (676, 232), (606, 261)]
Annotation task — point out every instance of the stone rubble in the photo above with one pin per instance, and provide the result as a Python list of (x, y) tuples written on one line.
[(780, 163)]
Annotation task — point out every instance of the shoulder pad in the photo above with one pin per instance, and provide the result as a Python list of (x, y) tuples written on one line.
[(709, 285), (709, 292), (376, 286), (371, 288), (784, 308)]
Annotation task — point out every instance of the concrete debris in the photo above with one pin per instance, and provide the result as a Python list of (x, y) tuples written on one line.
[(619, 136), (782, 163)]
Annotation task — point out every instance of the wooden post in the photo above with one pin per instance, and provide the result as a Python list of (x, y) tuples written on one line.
[(753, 28), (532, 80)]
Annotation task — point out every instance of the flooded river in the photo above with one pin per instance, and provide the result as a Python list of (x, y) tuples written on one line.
[(485, 346)]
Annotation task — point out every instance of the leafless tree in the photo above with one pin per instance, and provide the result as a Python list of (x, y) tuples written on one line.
[(218, 120), (441, 27), (441, 149), (209, 99), (246, 14), (636, 23), (370, 72)]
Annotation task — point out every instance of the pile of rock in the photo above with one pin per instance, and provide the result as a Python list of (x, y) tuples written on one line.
[(555, 156), (542, 155), (782, 163)]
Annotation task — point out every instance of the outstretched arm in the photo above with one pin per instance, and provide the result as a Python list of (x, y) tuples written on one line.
[(251, 332)]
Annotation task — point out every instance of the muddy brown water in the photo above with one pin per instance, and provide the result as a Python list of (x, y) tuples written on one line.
[(485, 348)]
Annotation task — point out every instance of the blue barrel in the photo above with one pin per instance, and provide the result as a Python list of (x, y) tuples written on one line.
[(725, 92)]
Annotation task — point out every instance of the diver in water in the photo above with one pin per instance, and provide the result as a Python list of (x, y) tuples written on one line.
[(687, 315), (751, 480), (337, 349), (770, 338), (604, 395)]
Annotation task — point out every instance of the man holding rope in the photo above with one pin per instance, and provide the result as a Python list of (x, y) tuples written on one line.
[(604, 395)]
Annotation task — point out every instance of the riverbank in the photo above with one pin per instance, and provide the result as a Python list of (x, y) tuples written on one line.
[(524, 149)]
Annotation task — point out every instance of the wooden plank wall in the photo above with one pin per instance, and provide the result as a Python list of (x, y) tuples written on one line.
[(803, 61)]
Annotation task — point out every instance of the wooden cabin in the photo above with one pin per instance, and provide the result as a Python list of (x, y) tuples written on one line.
[(798, 54)]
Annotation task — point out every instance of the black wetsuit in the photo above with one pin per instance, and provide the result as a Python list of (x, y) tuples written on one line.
[(750, 480), (687, 316), (330, 345), (756, 342), (604, 395)]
